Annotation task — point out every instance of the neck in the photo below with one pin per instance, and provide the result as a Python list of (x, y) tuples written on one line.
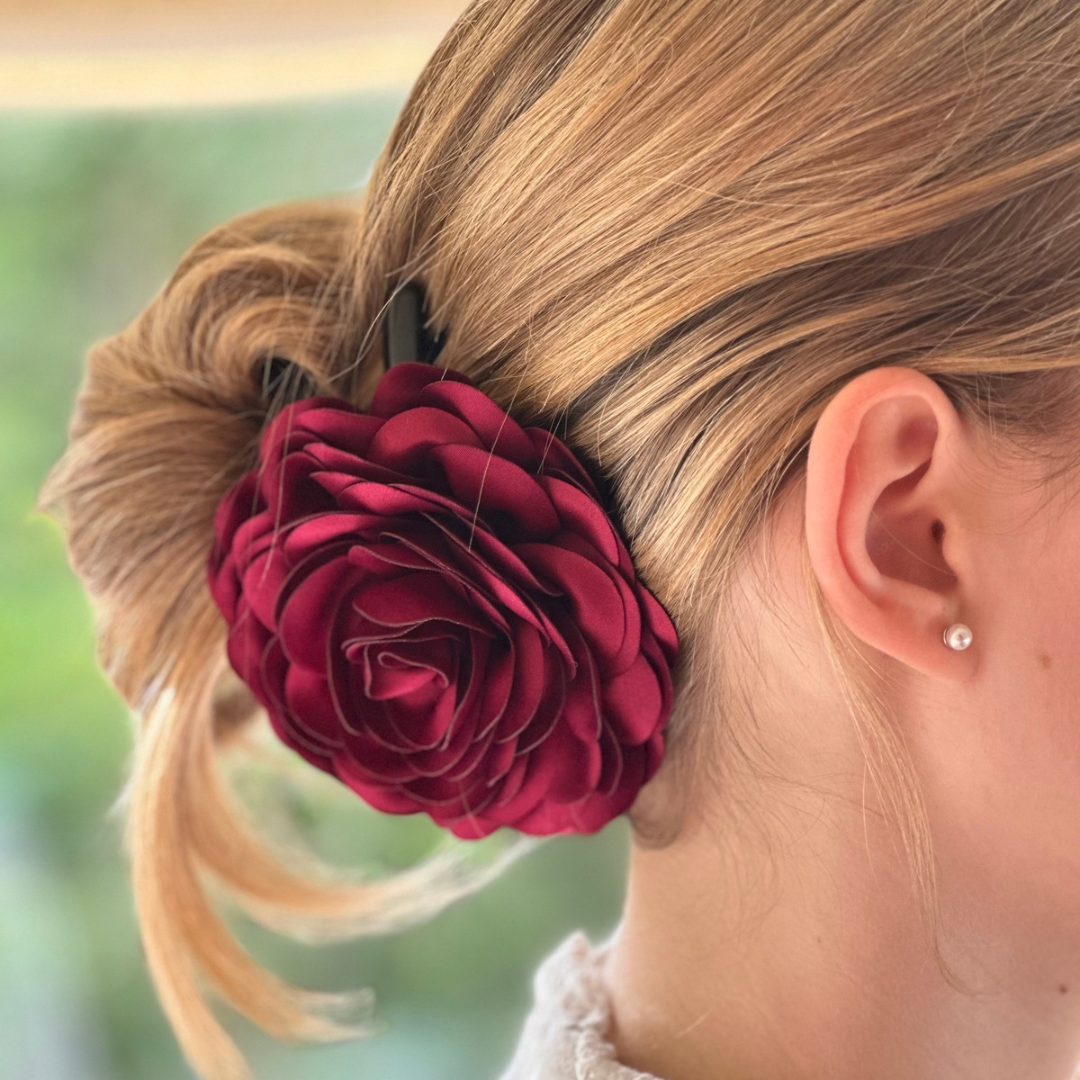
[(812, 961)]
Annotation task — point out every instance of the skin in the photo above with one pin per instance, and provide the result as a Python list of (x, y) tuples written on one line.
[(779, 937)]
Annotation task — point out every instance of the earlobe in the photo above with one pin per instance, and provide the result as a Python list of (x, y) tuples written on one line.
[(882, 530)]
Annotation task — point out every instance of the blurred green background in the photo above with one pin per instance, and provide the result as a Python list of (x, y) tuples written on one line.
[(95, 210)]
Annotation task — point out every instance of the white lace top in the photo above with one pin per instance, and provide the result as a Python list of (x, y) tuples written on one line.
[(563, 1036)]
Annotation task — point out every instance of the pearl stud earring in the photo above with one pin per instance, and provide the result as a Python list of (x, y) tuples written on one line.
[(958, 636)]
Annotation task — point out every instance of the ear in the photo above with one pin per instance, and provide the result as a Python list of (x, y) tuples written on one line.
[(884, 520)]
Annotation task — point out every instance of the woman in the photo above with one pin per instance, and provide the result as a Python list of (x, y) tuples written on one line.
[(797, 288)]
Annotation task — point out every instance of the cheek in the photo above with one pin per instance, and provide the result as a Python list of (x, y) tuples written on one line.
[(1034, 672), (1020, 769)]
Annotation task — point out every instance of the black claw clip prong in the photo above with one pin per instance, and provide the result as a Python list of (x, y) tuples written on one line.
[(406, 336)]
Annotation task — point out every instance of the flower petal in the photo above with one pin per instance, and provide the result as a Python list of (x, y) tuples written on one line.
[(498, 431), (405, 441), (489, 486), (401, 387)]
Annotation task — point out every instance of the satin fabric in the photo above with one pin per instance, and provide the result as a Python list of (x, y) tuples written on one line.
[(433, 606)]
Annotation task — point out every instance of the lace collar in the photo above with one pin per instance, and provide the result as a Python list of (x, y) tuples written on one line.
[(564, 1034)]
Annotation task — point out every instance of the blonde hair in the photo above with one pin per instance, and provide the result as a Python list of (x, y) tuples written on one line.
[(668, 231)]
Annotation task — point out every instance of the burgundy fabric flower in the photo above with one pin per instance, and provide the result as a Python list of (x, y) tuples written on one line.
[(432, 605)]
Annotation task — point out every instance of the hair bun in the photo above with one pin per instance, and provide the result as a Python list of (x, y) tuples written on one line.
[(433, 606)]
